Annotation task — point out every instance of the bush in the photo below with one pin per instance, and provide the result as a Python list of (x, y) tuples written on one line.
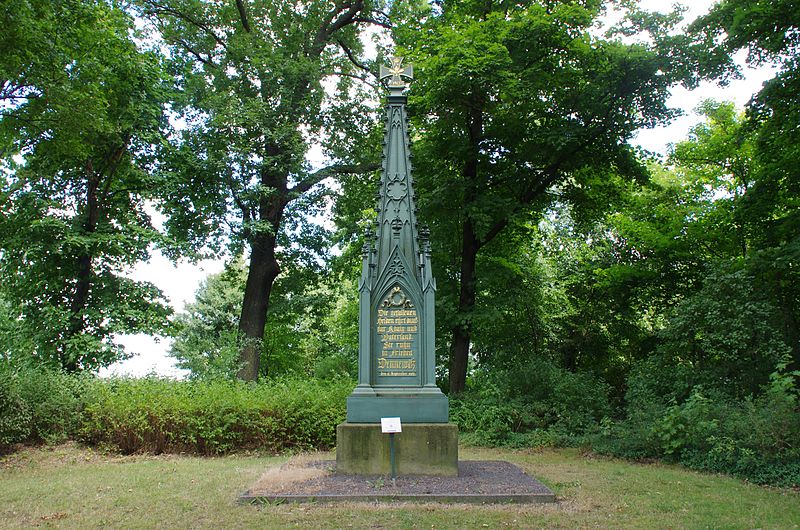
[(15, 416), (56, 400), (539, 404), (158, 415), (155, 415), (757, 438), (40, 405)]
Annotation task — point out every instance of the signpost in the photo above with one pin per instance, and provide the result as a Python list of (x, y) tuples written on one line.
[(391, 426)]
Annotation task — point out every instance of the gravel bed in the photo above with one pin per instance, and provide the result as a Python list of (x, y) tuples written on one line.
[(477, 481)]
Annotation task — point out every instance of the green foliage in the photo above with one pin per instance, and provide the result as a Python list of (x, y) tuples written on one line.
[(728, 333), (38, 405), (515, 105), (82, 109), (15, 415), (530, 405), (769, 211), (56, 401), (206, 338), (313, 328), (767, 30), (157, 415), (754, 438), (253, 99)]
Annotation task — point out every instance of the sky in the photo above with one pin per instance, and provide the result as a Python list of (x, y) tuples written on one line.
[(179, 282)]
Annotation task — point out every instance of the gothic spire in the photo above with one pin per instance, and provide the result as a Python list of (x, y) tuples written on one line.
[(397, 223)]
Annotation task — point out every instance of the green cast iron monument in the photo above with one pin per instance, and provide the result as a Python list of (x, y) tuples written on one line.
[(397, 357)]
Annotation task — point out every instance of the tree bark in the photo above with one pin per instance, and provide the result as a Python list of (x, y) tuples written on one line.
[(462, 332), (80, 296), (470, 244), (263, 270)]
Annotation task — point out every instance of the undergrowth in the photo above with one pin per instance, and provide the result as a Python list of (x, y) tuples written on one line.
[(160, 415)]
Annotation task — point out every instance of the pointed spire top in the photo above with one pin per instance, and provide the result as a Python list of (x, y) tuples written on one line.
[(395, 74)]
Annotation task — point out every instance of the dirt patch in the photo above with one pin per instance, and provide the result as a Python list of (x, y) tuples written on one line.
[(68, 453), (298, 470)]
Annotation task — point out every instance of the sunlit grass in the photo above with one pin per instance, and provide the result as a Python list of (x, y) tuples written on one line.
[(70, 487)]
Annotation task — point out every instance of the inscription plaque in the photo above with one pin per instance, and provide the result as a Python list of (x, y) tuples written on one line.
[(398, 336)]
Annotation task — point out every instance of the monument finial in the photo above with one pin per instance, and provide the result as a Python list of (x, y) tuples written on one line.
[(395, 74)]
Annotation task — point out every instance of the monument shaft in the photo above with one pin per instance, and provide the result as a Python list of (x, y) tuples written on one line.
[(397, 356)]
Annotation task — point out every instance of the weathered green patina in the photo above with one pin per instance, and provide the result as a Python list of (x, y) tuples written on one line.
[(396, 362)]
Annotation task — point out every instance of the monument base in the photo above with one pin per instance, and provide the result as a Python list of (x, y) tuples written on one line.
[(421, 449), (410, 407)]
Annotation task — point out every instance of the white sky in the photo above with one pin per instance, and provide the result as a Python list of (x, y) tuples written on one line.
[(179, 282)]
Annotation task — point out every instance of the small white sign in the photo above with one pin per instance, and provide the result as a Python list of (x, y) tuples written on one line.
[(390, 425)]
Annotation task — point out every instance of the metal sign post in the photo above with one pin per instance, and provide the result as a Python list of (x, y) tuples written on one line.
[(391, 426)]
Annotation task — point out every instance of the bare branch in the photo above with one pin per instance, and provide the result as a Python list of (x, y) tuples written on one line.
[(332, 24), (206, 61), (353, 59), (369, 20), (336, 169), (160, 9), (363, 78)]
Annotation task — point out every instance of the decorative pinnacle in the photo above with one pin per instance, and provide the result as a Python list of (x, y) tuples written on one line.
[(425, 239), (395, 73)]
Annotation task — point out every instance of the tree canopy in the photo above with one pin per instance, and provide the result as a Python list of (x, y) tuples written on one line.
[(253, 99), (519, 105), (82, 112)]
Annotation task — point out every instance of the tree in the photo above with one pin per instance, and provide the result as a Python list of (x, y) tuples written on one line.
[(683, 285), (312, 328), (771, 208), (82, 108), (254, 101), (517, 103), (205, 338)]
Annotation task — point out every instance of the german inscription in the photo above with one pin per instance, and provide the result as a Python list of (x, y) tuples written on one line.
[(398, 329)]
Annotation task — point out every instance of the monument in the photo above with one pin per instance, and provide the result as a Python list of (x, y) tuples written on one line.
[(397, 356)]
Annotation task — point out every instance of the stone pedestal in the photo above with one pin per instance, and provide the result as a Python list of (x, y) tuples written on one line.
[(421, 449)]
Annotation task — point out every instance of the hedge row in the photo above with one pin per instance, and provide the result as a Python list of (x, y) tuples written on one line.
[(159, 415)]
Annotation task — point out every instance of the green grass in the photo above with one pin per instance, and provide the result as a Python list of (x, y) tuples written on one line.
[(71, 487)]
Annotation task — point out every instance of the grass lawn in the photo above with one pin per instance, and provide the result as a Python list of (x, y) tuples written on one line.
[(71, 487)]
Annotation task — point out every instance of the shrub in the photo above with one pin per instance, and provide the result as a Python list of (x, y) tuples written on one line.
[(757, 438), (56, 400), (215, 417), (15, 416), (38, 404), (538, 404)]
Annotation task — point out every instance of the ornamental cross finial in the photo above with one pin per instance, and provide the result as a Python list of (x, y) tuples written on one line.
[(396, 72)]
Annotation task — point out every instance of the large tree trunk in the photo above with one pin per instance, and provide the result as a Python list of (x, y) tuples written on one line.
[(462, 332), (80, 297), (470, 244), (264, 268)]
